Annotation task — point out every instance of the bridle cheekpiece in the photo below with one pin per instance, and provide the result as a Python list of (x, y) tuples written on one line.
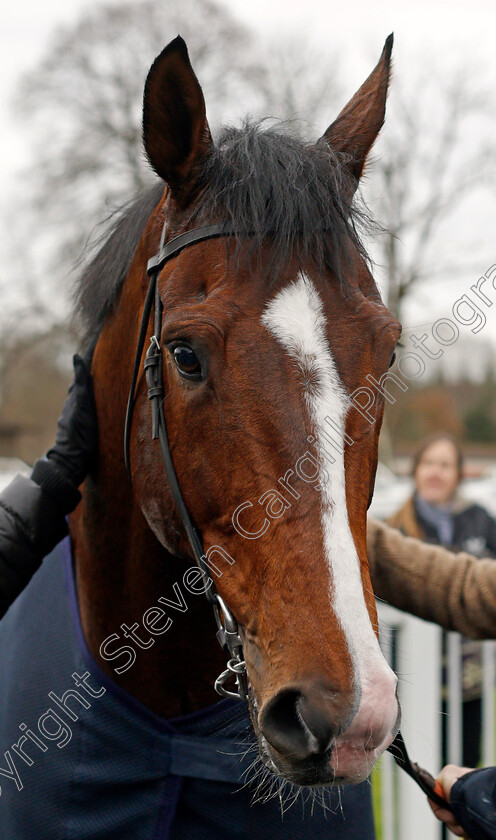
[(227, 626)]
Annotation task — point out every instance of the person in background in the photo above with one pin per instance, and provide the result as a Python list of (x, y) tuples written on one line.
[(437, 513)]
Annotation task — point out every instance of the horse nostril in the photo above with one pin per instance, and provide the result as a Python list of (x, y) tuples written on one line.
[(296, 725)]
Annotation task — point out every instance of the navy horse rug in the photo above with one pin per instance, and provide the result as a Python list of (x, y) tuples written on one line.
[(80, 758)]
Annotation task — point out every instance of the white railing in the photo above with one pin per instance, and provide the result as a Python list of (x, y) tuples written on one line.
[(414, 649)]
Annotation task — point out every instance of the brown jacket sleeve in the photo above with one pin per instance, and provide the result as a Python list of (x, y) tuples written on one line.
[(456, 591)]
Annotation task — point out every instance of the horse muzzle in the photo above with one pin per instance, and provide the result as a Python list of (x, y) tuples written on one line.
[(312, 734)]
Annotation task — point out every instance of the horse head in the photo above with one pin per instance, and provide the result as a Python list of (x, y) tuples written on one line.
[(266, 336)]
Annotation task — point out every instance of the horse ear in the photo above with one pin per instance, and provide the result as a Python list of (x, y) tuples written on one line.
[(176, 135), (354, 131)]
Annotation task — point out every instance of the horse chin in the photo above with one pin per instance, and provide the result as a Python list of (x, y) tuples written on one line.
[(331, 769)]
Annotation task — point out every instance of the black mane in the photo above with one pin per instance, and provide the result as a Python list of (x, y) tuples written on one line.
[(100, 283), (263, 184)]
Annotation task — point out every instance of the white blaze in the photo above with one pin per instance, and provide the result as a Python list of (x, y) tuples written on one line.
[(296, 318)]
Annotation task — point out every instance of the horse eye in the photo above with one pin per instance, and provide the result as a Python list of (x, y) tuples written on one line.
[(187, 362), (393, 359)]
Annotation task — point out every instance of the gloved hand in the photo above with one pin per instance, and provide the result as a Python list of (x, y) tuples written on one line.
[(74, 453), (444, 782), (76, 442), (472, 798), (33, 510)]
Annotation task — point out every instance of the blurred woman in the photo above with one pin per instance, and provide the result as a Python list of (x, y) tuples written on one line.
[(437, 513)]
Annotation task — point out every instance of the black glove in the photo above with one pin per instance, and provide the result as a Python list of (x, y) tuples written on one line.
[(33, 510), (69, 461)]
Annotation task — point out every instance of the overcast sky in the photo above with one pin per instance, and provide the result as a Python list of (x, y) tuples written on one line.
[(356, 28)]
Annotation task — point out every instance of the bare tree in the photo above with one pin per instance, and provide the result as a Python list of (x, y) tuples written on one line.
[(436, 150), (82, 104), (299, 82)]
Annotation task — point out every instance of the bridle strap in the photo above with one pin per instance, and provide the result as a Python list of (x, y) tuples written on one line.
[(170, 249), (147, 308), (153, 371), (227, 626), (422, 777), (154, 267)]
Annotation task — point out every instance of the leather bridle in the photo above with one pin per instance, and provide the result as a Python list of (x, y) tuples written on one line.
[(228, 633), (227, 626)]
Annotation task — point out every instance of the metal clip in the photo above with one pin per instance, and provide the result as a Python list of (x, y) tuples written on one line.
[(230, 640), (236, 668)]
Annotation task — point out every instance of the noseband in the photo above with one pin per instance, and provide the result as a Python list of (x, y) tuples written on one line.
[(227, 627)]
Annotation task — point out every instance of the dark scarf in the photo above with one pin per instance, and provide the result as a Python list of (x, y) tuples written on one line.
[(441, 518)]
